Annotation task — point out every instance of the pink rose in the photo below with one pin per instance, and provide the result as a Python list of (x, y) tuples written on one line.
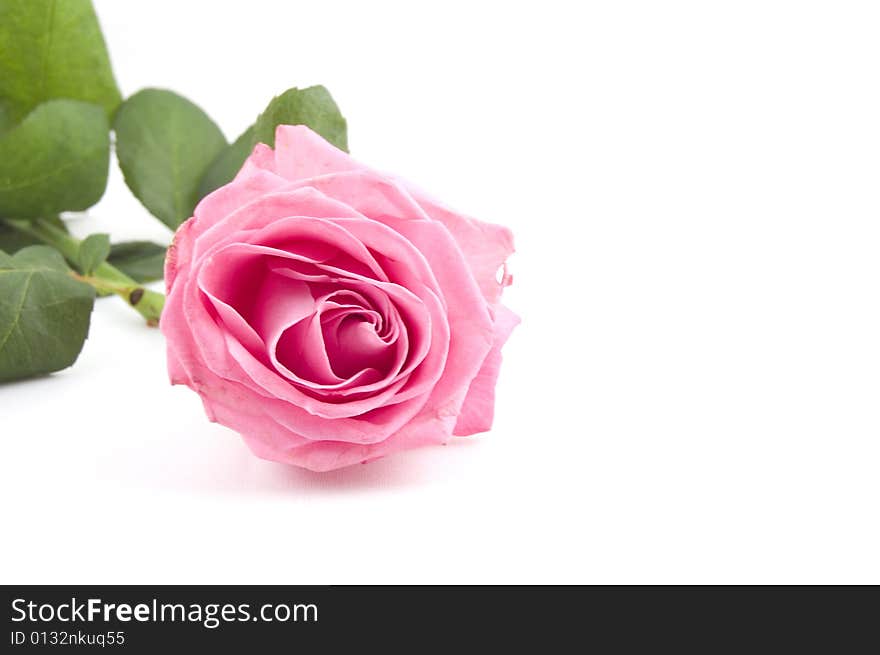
[(332, 314)]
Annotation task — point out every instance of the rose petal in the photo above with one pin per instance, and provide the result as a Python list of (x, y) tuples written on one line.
[(260, 212), (311, 266), (367, 192), (478, 409), (302, 153), (486, 246), (290, 419)]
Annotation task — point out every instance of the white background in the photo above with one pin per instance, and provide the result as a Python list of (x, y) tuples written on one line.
[(693, 394)]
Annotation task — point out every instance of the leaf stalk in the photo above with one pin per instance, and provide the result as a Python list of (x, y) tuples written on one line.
[(106, 278)]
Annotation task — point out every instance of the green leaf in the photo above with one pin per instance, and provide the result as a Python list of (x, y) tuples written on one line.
[(228, 163), (5, 119), (164, 144), (52, 49), (44, 313), (93, 251), (55, 160), (12, 240), (143, 261), (313, 107)]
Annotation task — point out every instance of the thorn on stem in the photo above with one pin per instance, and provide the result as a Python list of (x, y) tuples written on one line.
[(135, 296)]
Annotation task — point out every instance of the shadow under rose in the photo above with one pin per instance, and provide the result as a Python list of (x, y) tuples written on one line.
[(386, 473), (221, 464)]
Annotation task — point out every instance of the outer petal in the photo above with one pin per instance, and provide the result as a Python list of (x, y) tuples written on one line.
[(262, 210), (470, 320), (251, 183), (328, 455), (370, 193), (486, 246), (478, 409), (301, 153), (262, 157), (179, 253)]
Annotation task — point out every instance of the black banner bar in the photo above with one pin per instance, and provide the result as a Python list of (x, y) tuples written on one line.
[(257, 619)]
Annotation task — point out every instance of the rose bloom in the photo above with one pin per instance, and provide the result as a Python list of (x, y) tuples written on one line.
[(332, 314)]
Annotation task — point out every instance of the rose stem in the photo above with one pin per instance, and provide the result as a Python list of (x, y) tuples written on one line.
[(105, 278)]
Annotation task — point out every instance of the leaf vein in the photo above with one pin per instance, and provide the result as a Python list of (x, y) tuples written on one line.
[(47, 46), (18, 311), (53, 173)]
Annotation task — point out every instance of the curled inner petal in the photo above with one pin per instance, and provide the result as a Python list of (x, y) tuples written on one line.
[(320, 322)]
